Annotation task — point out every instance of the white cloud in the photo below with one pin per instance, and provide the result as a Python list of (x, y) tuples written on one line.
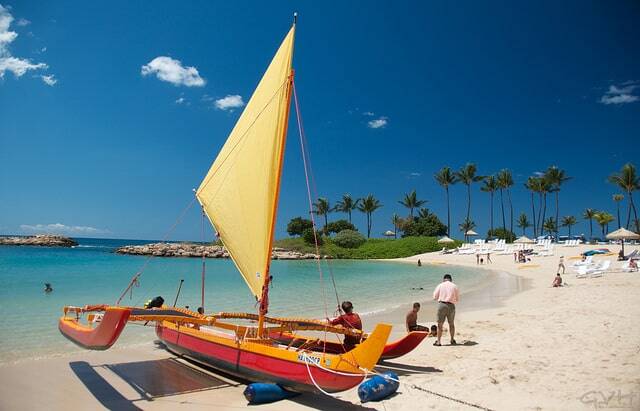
[(58, 228), (415, 174), (378, 123), (23, 22), (622, 94), (229, 102), (50, 80), (18, 66), (181, 100), (171, 70), (368, 113)]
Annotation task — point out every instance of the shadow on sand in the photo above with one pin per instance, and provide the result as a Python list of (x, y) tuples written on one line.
[(150, 379), (404, 369)]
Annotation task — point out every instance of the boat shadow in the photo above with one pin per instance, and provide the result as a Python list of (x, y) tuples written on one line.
[(405, 369), (149, 379), (326, 403)]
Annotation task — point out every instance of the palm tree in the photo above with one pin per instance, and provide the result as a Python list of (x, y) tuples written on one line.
[(556, 177), (368, 205), (505, 182), (490, 186), (322, 208), (617, 198), (550, 225), (523, 222), (411, 201), (424, 213), (346, 205), (396, 221), (532, 185), (568, 221), (445, 177), (603, 218), (467, 176), (543, 189), (590, 214), (628, 181), (465, 226)]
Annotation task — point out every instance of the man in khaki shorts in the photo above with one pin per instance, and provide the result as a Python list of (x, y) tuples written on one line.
[(447, 296)]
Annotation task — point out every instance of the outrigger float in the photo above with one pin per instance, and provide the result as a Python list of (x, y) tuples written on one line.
[(239, 195)]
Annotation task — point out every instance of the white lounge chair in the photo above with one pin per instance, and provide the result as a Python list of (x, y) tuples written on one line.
[(587, 262), (596, 271)]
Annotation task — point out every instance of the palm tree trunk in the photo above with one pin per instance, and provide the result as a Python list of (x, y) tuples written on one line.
[(569, 232), (635, 214), (504, 224), (510, 210), (629, 212), (448, 214), (618, 204), (349, 212), (368, 225), (533, 213), (468, 200), (540, 221), (590, 229), (557, 214), (491, 217), (544, 207)]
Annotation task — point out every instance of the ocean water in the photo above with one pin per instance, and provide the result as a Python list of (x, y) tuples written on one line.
[(92, 273)]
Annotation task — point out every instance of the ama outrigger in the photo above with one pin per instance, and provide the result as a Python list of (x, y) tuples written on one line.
[(239, 195)]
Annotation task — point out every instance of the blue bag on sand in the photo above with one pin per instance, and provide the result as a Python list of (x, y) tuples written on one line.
[(260, 393), (379, 387)]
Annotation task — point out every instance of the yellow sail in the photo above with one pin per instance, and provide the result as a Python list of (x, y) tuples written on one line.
[(239, 193)]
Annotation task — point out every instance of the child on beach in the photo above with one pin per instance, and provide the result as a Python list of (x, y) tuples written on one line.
[(557, 282)]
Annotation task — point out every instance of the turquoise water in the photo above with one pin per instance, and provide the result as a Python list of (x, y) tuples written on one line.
[(93, 274)]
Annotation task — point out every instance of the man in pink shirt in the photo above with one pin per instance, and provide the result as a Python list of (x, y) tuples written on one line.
[(447, 296)]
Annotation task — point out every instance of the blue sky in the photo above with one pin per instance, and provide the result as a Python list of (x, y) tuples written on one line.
[(92, 143)]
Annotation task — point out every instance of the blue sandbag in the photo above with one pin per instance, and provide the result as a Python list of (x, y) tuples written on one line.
[(379, 387), (261, 393)]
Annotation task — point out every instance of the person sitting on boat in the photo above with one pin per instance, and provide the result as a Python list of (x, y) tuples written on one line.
[(200, 310), (412, 319), (47, 288), (348, 320)]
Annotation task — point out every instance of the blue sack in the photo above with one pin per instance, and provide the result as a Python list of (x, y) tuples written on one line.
[(379, 387), (260, 393)]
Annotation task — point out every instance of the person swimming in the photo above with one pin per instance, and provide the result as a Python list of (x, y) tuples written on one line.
[(48, 288)]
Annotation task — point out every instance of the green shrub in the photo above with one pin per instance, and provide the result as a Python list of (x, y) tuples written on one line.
[(340, 225), (297, 226), (502, 234), (309, 238), (349, 239)]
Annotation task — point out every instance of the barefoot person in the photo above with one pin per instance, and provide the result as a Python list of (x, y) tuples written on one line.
[(348, 320), (447, 296), (561, 265), (412, 319), (557, 282)]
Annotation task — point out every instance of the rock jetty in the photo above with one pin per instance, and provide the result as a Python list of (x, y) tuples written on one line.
[(198, 250), (42, 240)]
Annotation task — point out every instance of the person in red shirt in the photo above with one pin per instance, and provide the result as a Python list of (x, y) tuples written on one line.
[(348, 320)]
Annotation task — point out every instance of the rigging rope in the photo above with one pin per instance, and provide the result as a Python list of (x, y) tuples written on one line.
[(136, 277), (307, 171)]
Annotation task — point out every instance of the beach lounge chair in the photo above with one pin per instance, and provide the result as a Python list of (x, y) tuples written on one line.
[(626, 267), (597, 270), (587, 262)]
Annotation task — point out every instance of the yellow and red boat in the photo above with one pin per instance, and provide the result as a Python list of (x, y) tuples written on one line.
[(239, 195)]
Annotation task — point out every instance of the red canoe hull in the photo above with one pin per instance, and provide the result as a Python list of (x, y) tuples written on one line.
[(253, 366), (404, 345), (98, 338)]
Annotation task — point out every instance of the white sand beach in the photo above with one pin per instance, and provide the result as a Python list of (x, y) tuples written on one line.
[(570, 348)]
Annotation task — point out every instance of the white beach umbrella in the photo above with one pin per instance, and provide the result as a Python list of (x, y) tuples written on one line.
[(623, 234), (471, 232), (389, 233), (524, 240), (446, 239)]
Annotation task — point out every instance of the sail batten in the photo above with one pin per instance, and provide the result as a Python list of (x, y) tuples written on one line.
[(239, 193)]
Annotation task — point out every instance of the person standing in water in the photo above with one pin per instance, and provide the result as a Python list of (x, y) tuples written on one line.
[(48, 288)]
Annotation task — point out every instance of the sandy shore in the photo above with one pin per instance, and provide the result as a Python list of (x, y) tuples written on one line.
[(522, 345)]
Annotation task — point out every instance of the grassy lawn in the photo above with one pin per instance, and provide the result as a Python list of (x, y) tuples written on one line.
[(373, 248)]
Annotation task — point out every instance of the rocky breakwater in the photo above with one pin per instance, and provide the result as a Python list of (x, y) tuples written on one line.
[(198, 250), (41, 240)]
